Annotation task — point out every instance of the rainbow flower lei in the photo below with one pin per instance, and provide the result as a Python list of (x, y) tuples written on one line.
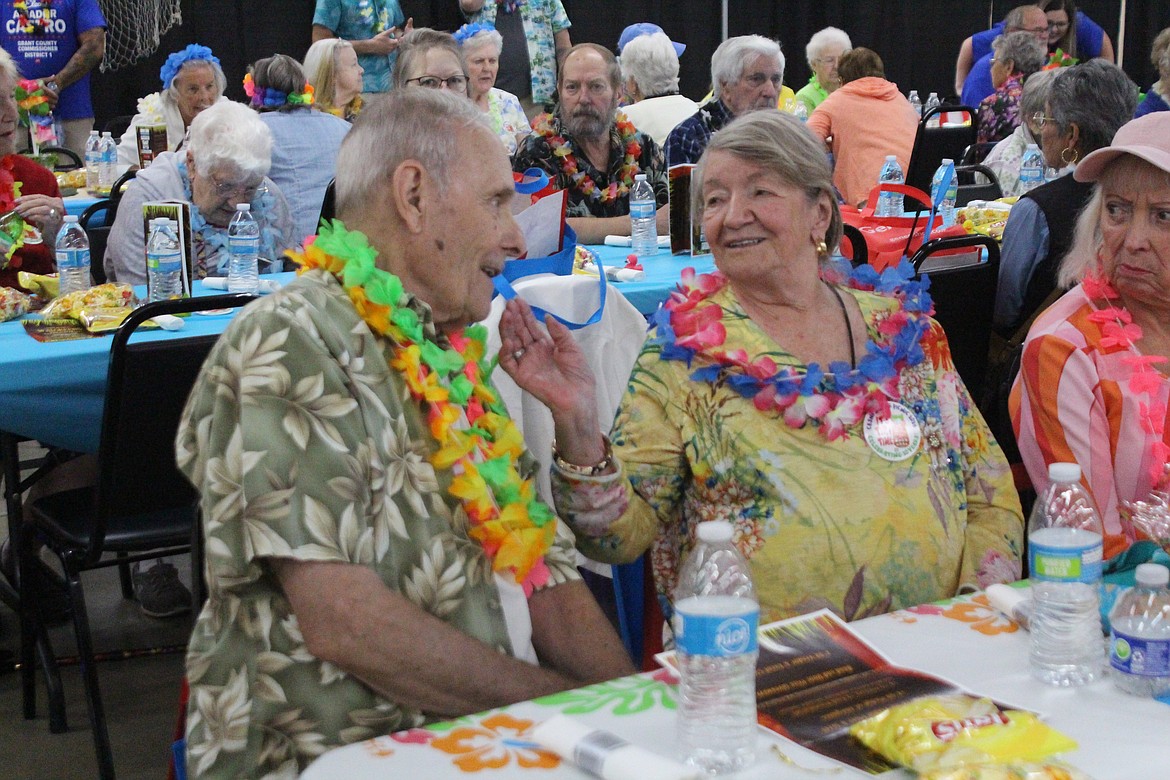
[(1119, 330), (274, 98), (563, 152), (31, 26), (689, 327), (478, 442)]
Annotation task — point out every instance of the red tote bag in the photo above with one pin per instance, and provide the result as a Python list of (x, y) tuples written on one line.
[(889, 239)]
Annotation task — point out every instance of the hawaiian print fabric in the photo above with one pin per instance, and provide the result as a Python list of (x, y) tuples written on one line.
[(823, 523), (507, 118), (999, 113), (542, 20), (298, 438)]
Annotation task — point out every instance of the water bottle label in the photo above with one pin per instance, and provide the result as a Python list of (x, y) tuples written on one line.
[(68, 259), (168, 264), (642, 209), (243, 245), (724, 636), (1139, 657), (1065, 564)]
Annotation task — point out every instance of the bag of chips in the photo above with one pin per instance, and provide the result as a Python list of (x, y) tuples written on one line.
[(107, 295), (13, 303), (964, 738)]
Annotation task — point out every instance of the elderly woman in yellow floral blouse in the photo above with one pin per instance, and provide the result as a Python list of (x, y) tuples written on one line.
[(821, 415)]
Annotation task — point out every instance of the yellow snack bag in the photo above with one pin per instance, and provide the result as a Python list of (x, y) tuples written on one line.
[(44, 285), (952, 731), (107, 295), (13, 303)]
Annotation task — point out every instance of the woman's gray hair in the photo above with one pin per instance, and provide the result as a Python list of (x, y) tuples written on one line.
[(731, 59), (1137, 174), (230, 135), (1160, 52), (1027, 54), (172, 91), (1034, 97), (405, 124), (414, 47), (282, 73), (1097, 96), (822, 39), (321, 69), (778, 143), (8, 65), (485, 38), (650, 60)]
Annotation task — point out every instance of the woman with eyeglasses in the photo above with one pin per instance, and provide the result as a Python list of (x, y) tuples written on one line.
[(224, 162), (431, 59), (862, 122), (1074, 33), (1086, 105), (824, 52)]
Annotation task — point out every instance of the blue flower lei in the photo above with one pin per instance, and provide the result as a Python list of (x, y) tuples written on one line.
[(213, 259), (170, 68), (469, 31), (868, 387)]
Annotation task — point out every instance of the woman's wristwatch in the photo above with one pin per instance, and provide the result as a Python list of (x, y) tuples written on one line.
[(573, 469)]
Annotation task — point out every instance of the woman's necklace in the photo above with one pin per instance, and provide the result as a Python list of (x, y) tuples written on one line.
[(1119, 330), (689, 328), (478, 442), (545, 127)]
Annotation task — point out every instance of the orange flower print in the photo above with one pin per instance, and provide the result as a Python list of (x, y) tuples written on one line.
[(494, 743), (983, 617)]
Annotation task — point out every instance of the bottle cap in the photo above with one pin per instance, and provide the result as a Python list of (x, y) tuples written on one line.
[(1064, 472), (1149, 575), (946, 161), (893, 157), (70, 218), (248, 206), (714, 531), (640, 177)]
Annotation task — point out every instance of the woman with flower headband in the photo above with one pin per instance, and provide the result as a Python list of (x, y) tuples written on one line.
[(224, 162), (305, 141), (481, 46), (192, 80), (821, 415), (333, 71), (1093, 386)]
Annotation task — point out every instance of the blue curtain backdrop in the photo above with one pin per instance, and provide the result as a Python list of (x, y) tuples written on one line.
[(918, 39)]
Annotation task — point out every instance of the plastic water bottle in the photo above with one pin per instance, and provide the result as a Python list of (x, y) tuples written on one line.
[(164, 269), (946, 207), (93, 159), (915, 102), (1031, 168), (72, 256), (890, 203), (1064, 540), (800, 111), (716, 617), (107, 159), (643, 218), (244, 246), (1140, 641), (933, 102)]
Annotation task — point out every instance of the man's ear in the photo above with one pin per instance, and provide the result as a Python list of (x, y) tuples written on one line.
[(410, 190)]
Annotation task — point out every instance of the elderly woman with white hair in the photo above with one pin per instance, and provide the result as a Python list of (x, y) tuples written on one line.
[(332, 69), (226, 162), (650, 72), (1004, 158), (482, 45), (192, 80), (823, 51), (1158, 98)]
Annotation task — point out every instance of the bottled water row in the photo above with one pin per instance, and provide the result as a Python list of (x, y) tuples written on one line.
[(101, 161), (932, 101), (892, 204)]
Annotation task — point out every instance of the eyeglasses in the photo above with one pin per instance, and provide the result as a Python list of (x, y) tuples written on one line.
[(756, 80), (241, 190), (1040, 120), (1058, 25), (457, 82), (827, 60)]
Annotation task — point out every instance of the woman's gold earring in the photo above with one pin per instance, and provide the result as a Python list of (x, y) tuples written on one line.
[(1064, 154), (822, 248)]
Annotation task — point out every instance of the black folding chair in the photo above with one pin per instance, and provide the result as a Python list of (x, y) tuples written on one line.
[(118, 125), (859, 254), (934, 144), (972, 187), (67, 159), (96, 220), (976, 153), (963, 287), (142, 507), (329, 202)]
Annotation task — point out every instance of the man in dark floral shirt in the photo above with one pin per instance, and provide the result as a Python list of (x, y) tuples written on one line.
[(591, 150)]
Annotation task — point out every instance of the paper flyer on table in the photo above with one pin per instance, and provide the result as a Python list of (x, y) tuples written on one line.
[(815, 677)]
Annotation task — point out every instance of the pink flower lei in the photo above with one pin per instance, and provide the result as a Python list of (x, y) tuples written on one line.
[(689, 328), (563, 153), (1118, 330)]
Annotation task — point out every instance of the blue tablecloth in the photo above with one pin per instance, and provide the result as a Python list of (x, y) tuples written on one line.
[(662, 274), (76, 204)]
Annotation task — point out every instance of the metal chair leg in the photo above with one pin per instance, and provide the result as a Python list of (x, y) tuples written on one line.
[(93, 695), (124, 579)]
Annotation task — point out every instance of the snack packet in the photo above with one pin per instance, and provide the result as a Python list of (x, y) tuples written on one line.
[(932, 733), (1025, 771), (99, 319), (107, 295), (13, 303), (48, 286)]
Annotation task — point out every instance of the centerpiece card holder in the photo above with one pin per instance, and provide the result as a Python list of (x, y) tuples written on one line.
[(686, 234), (180, 212)]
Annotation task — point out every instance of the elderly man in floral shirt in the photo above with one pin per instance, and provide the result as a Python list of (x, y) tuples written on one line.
[(591, 150), (536, 38)]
